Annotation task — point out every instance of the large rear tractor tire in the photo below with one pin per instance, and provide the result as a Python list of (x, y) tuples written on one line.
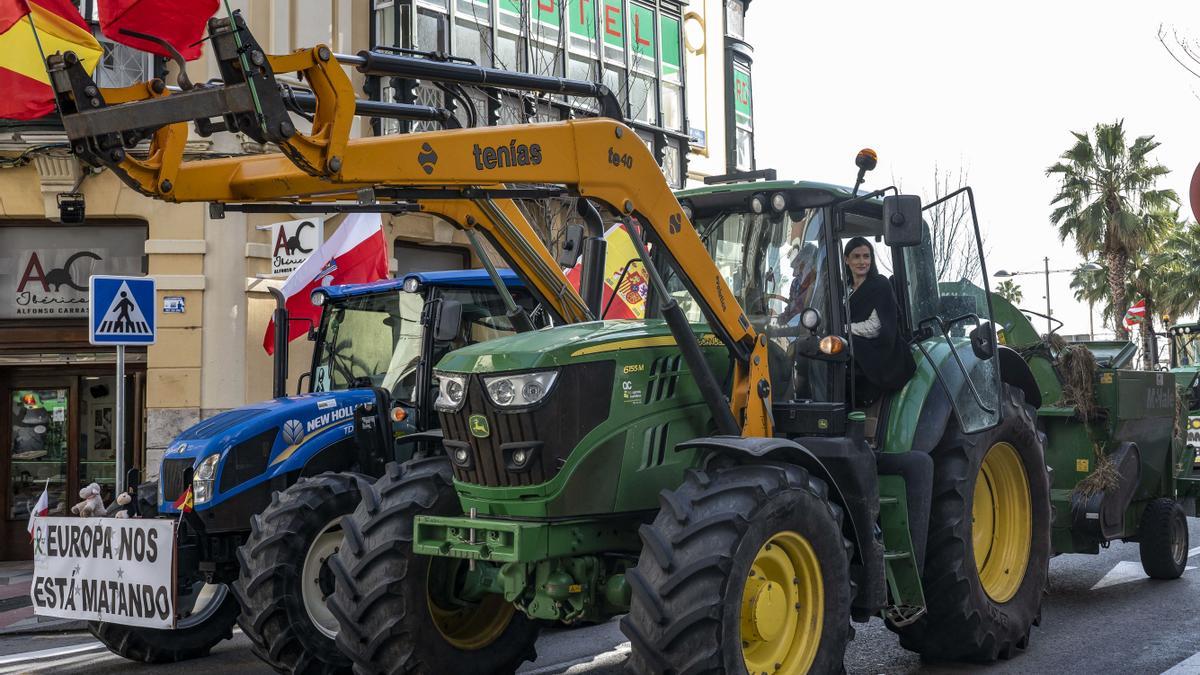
[(744, 570), (397, 610), (1163, 539), (285, 580), (989, 541), (210, 621)]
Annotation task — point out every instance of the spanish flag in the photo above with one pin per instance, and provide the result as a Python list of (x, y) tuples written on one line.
[(624, 276), (56, 26), (185, 502)]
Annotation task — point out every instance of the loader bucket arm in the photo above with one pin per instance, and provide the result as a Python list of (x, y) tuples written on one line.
[(466, 164)]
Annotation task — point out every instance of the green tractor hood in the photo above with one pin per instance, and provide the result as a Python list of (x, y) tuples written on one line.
[(560, 345)]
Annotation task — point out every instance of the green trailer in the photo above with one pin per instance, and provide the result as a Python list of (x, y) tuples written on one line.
[(1115, 444)]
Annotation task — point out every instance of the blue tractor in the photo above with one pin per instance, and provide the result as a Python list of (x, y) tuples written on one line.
[(271, 481)]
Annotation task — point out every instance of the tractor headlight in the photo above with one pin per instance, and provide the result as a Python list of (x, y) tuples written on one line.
[(452, 391), (202, 479), (517, 391)]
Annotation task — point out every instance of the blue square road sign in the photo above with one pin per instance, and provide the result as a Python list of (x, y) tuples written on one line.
[(121, 310)]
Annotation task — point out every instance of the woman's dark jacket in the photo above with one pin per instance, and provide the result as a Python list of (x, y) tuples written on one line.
[(885, 360)]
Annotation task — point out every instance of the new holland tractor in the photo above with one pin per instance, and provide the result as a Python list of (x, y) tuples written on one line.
[(273, 478)]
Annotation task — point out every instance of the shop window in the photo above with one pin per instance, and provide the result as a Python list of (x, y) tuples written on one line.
[(412, 258), (735, 19), (642, 101), (431, 31)]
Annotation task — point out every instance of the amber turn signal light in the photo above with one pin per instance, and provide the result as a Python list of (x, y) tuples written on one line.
[(399, 414), (832, 344)]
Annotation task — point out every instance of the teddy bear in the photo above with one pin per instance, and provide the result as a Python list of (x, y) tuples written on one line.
[(92, 504), (121, 506)]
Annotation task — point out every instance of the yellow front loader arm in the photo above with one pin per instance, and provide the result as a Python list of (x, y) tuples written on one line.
[(598, 159)]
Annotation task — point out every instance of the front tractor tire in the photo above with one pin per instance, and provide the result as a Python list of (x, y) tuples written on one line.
[(210, 621), (744, 570), (989, 541), (285, 580), (397, 610)]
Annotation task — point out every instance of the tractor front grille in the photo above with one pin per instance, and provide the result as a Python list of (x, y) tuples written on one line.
[(578, 403), (173, 476)]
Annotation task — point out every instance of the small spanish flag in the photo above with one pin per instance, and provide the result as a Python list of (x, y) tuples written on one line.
[(30, 29), (184, 503)]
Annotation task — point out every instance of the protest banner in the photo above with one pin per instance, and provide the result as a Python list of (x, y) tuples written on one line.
[(119, 570)]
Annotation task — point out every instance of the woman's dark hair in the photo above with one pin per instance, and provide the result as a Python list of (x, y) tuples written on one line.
[(854, 243)]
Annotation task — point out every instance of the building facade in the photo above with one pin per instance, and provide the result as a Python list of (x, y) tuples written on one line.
[(680, 69)]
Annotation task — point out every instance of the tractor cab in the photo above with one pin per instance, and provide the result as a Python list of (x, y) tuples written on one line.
[(780, 245), (389, 334)]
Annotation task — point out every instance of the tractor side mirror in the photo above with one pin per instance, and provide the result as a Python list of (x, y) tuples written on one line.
[(449, 320), (983, 341), (572, 245), (902, 220)]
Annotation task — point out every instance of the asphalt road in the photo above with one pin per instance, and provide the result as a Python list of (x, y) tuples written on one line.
[(1102, 616)]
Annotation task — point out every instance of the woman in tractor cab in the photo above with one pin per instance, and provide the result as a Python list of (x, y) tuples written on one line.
[(882, 362)]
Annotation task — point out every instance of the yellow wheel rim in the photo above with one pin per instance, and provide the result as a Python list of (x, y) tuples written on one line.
[(783, 604), (472, 626), (1001, 522)]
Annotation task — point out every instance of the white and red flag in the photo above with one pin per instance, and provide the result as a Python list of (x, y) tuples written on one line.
[(1136, 313), (41, 508), (356, 253)]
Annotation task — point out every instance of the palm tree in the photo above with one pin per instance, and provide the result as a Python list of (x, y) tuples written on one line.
[(1108, 202), (1010, 292), (1091, 286), (1165, 275)]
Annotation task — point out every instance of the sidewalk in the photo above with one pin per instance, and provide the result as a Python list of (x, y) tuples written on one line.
[(16, 608)]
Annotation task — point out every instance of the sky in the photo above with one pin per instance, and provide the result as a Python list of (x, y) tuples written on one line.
[(991, 89)]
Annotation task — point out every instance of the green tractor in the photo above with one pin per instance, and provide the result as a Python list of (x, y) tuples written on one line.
[(706, 471), (1185, 365)]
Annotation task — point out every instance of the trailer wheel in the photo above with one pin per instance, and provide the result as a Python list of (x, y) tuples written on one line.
[(1163, 539), (210, 620), (744, 570), (285, 581), (396, 610), (989, 541)]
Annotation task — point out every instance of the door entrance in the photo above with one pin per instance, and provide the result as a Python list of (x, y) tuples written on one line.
[(57, 433)]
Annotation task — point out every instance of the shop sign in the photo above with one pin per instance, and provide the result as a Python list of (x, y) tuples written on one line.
[(292, 241), (742, 98), (582, 18), (668, 28), (641, 28), (119, 570), (44, 270)]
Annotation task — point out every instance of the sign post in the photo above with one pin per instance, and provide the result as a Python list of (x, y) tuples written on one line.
[(121, 313)]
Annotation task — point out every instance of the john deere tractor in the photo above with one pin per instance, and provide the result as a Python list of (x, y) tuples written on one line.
[(705, 470)]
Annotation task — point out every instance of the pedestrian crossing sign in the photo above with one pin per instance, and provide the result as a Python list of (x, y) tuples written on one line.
[(121, 310)]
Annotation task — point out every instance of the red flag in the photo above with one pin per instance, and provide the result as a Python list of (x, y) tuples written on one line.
[(179, 22), (23, 80), (355, 254), (1135, 314)]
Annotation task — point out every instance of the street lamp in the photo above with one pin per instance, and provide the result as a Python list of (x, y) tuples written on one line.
[(1089, 266)]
